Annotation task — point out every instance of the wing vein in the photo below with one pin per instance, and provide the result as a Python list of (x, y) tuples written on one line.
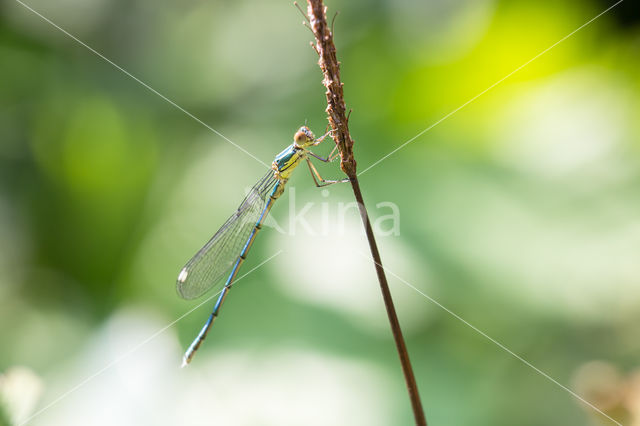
[(214, 260)]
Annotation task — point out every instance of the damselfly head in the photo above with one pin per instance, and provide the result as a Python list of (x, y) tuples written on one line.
[(303, 137)]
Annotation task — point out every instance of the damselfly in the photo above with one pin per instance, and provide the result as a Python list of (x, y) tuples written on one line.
[(225, 252)]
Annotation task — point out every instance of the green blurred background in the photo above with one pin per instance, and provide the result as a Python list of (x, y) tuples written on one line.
[(518, 213)]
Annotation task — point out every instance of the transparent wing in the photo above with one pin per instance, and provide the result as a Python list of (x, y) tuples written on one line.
[(214, 261)]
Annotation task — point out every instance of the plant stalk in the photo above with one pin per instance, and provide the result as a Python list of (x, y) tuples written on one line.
[(338, 120)]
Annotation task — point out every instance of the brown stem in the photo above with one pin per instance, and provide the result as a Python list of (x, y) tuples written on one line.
[(336, 111)]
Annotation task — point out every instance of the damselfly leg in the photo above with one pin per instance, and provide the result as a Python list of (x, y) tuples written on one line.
[(319, 180)]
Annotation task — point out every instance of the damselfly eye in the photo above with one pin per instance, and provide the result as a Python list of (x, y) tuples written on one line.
[(303, 136), (300, 137)]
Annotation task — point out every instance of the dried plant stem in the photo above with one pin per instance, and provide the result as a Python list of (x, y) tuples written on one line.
[(338, 120)]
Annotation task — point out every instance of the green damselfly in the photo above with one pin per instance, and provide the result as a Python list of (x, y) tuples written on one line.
[(225, 252)]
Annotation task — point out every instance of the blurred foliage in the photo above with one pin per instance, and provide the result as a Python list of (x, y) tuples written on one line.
[(518, 212)]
